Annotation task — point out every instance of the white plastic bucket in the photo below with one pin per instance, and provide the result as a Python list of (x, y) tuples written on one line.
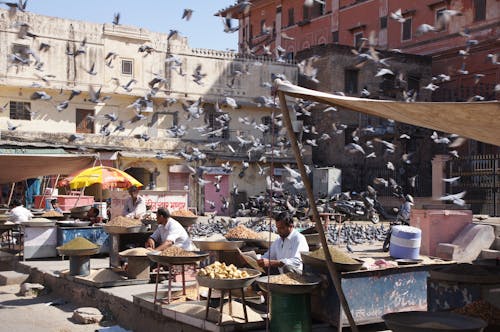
[(405, 242)]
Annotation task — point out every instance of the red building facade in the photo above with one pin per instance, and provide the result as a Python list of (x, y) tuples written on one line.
[(472, 28)]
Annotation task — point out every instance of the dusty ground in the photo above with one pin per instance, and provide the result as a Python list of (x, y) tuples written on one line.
[(30, 314)]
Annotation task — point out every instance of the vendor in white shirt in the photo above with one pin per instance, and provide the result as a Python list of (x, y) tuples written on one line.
[(19, 213), (284, 253), (168, 233), (135, 206)]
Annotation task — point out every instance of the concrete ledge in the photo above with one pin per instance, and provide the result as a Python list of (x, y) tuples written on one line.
[(12, 278)]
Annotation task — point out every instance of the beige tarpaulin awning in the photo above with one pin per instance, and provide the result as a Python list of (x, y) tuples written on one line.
[(18, 167), (476, 120)]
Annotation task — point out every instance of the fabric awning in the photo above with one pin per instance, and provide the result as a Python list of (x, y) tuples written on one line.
[(21, 164), (146, 155), (476, 120)]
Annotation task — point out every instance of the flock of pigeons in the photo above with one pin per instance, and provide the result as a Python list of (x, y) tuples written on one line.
[(254, 148)]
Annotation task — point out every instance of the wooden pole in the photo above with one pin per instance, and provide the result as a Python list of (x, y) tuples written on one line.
[(334, 274), (11, 193)]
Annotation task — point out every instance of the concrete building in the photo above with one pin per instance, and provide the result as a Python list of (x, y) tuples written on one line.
[(136, 97)]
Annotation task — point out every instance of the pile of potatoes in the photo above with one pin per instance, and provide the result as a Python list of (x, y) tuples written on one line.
[(220, 270)]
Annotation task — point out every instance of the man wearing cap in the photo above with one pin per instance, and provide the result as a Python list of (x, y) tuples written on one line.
[(169, 232), (135, 206)]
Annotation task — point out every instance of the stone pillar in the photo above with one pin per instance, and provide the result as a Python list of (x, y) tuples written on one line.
[(438, 174)]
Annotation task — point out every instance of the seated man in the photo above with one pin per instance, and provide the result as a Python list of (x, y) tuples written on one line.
[(19, 213), (168, 233), (284, 253), (55, 205), (135, 205), (93, 216)]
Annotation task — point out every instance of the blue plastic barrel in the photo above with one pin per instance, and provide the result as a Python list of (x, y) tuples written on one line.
[(405, 242)]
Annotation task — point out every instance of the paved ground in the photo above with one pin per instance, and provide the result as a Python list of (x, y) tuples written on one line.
[(30, 314)]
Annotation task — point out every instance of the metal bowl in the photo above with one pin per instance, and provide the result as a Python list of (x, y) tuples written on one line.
[(221, 245), (312, 282), (229, 283), (121, 229), (72, 223), (261, 243), (424, 321), (156, 257), (321, 264), (77, 252), (186, 221)]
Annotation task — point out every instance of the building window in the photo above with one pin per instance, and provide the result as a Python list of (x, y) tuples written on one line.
[(212, 119), (262, 26), (84, 122), (358, 39), (439, 13), (317, 9), (406, 29), (479, 10), (127, 67), (305, 13), (21, 51), (383, 22), (335, 37), (351, 81), (291, 17), (20, 110)]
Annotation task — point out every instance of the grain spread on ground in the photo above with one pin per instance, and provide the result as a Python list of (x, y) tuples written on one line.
[(289, 278), (337, 256), (124, 222), (135, 252), (220, 270), (79, 243), (174, 251), (182, 213), (52, 213), (241, 232)]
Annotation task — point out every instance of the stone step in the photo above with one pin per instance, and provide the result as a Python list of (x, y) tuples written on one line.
[(12, 278)]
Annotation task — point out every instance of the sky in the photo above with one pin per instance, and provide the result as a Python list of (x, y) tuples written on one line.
[(204, 30)]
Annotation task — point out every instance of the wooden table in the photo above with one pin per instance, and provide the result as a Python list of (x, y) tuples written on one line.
[(325, 218)]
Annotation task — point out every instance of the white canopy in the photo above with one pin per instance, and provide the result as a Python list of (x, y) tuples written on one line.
[(476, 120)]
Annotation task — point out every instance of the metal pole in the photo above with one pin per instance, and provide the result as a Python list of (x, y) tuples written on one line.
[(334, 274)]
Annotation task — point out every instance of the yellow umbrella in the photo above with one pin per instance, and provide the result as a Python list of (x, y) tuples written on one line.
[(107, 177)]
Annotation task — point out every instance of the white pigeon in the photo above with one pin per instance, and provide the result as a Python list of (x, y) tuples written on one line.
[(455, 198), (451, 180)]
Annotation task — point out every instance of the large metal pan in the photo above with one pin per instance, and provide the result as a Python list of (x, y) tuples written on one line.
[(311, 283), (321, 264), (424, 321), (122, 230), (156, 257), (221, 245), (186, 221), (229, 283)]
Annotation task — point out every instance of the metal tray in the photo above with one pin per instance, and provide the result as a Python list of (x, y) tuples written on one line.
[(229, 283), (424, 321), (73, 223), (77, 252), (321, 264), (122, 229), (156, 257), (312, 282), (221, 245), (47, 223), (312, 239)]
